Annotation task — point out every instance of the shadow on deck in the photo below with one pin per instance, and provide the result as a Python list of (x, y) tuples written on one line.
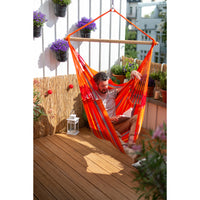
[(81, 167)]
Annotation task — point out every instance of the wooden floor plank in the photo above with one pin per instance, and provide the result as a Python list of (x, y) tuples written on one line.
[(59, 177), (72, 169), (46, 179), (115, 188), (41, 192), (99, 157), (87, 135), (35, 198), (97, 161), (81, 167)]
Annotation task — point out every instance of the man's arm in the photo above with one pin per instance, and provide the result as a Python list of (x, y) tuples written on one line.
[(134, 74)]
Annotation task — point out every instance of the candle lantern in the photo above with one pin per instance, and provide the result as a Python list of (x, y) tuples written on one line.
[(73, 125)]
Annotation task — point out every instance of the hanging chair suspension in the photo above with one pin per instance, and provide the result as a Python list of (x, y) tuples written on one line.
[(79, 39), (109, 40)]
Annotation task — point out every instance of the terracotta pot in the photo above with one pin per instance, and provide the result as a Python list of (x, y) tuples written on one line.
[(120, 78), (164, 95), (150, 91)]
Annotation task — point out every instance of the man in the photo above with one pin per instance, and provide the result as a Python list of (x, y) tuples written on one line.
[(108, 99)]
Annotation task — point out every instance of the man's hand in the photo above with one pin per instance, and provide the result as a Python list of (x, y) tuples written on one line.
[(136, 74)]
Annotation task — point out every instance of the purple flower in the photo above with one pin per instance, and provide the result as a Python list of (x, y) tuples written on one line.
[(84, 21), (159, 133), (151, 82), (59, 45), (38, 18), (137, 147)]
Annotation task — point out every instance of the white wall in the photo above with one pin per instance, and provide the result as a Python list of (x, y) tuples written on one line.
[(98, 56)]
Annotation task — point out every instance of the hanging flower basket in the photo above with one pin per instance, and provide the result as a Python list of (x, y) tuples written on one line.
[(61, 56), (86, 32), (60, 10), (37, 31), (38, 20), (60, 7), (60, 48)]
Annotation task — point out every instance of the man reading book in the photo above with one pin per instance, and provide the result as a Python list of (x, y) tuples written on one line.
[(108, 99)]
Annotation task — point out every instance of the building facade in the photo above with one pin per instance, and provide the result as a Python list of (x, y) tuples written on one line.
[(132, 10), (150, 18)]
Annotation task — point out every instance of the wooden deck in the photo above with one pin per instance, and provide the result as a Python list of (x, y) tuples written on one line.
[(81, 167)]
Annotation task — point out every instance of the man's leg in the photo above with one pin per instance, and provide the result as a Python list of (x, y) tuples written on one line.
[(129, 124)]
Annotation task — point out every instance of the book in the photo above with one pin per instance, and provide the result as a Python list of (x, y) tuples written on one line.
[(121, 119), (125, 116)]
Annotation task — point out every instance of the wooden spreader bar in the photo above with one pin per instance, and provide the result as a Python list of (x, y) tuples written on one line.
[(80, 39)]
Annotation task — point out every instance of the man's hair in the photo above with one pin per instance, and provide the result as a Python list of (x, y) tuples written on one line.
[(100, 76)]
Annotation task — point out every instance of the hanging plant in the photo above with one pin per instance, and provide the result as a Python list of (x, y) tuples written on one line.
[(60, 48), (85, 32), (60, 7), (38, 21)]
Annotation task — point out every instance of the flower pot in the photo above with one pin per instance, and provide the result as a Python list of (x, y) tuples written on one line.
[(164, 95), (37, 31), (60, 10), (150, 91), (119, 79), (61, 56), (85, 34)]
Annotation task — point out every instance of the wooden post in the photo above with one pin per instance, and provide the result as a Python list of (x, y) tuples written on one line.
[(79, 39)]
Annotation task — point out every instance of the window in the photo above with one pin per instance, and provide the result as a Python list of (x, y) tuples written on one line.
[(158, 36), (131, 10), (156, 57)]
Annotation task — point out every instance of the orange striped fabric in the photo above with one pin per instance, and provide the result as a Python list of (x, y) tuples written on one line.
[(133, 94)]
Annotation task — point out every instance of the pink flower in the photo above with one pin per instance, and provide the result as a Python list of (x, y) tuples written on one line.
[(50, 111), (36, 81), (136, 147), (159, 133)]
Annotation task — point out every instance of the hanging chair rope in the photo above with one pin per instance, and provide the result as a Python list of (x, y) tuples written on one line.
[(108, 40)]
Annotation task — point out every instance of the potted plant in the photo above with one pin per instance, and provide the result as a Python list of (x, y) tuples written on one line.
[(163, 86), (152, 165), (151, 85), (38, 20), (85, 32), (38, 111), (60, 48), (118, 75), (128, 68), (60, 7), (156, 77)]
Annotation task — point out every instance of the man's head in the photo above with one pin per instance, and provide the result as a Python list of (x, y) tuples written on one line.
[(101, 79)]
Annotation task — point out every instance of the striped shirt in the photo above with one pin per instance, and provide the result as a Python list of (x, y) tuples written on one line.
[(108, 100)]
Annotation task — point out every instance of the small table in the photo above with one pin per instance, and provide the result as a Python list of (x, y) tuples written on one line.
[(73, 126)]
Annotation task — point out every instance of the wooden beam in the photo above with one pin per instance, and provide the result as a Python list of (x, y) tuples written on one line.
[(80, 39)]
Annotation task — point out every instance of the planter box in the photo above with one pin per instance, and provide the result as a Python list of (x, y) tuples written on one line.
[(155, 113)]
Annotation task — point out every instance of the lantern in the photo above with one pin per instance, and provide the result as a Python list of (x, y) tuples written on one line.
[(73, 125)]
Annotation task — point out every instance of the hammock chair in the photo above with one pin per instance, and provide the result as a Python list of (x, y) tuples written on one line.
[(132, 95)]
